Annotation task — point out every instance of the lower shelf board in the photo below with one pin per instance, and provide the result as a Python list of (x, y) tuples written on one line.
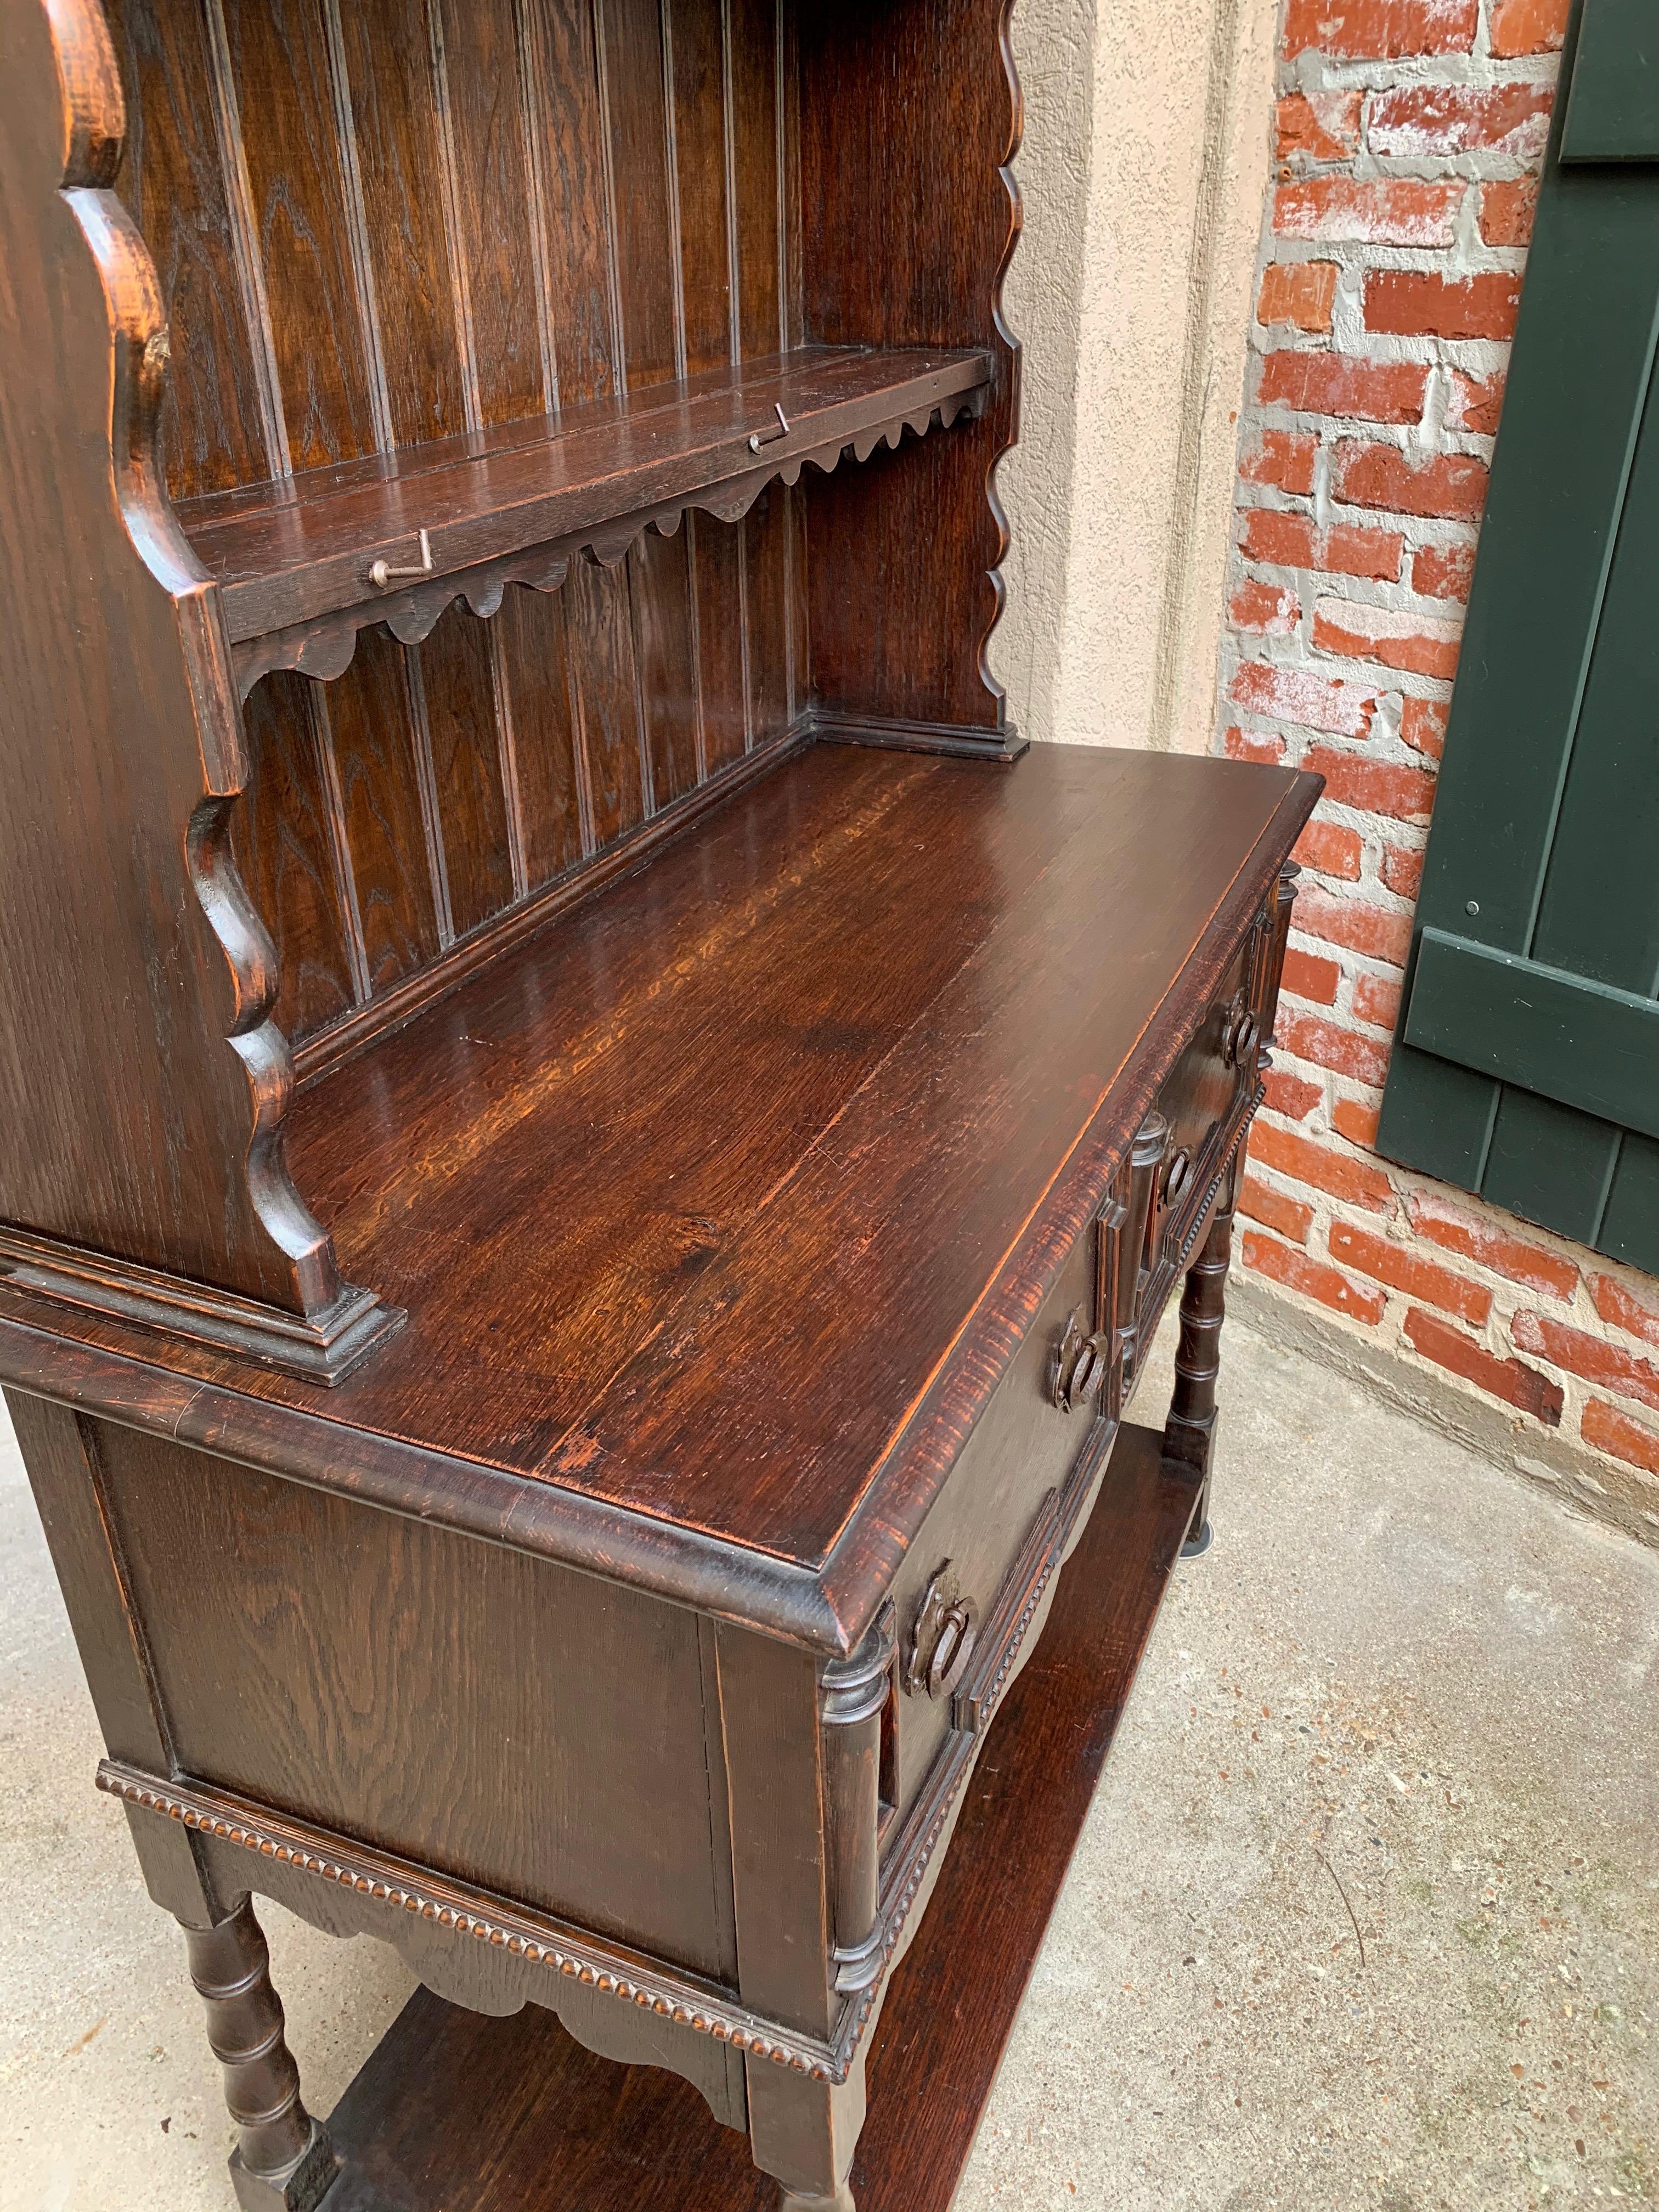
[(455, 2112)]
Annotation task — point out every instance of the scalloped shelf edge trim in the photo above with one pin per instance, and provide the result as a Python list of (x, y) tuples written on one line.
[(324, 645)]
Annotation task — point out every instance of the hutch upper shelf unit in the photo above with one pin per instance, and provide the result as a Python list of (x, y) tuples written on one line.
[(405, 302), (591, 1154)]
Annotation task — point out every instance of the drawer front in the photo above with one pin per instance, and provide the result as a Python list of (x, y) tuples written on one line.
[(957, 1596), (1209, 1088), (1023, 1446)]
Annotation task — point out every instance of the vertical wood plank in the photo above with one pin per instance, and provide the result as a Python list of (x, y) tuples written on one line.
[(357, 228), (565, 109), (495, 204), (800, 642), (457, 691), (532, 625), (213, 428), (532, 77), (278, 58), (333, 813), (507, 753), (755, 161), (717, 561), (700, 145), (427, 788), (392, 104), (631, 77), (282, 847), (766, 603), (791, 272), (374, 741), (663, 637), (603, 677)]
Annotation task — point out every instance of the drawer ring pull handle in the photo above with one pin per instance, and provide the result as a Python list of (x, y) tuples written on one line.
[(1077, 1367), (1177, 1176), (958, 1633), (1243, 1033), (942, 1641)]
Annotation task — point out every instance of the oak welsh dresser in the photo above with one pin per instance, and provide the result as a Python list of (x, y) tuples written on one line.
[(591, 1145)]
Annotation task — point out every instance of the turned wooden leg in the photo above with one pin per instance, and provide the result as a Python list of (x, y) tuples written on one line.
[(284, 2161), (1189, 1432)]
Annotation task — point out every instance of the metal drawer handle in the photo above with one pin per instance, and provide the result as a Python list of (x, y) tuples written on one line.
[(1242, 1034), (958, 1633), (1177, 1178), (1078, 1367), (942, 1641)]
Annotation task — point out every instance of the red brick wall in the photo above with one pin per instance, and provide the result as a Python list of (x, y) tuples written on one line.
[(1409, 134)]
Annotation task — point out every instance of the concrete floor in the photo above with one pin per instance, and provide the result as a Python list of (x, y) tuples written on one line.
[(1404, 1699)]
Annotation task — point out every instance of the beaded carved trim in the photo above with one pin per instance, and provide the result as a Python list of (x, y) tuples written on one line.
[(449, 1905)]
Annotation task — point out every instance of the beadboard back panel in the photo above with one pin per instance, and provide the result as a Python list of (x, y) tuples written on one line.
[(379, 222)]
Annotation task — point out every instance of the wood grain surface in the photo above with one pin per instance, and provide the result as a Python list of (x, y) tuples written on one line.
[(475, 2115), (830, 1088)]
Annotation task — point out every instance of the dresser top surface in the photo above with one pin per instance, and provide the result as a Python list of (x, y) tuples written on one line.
[(692, 1197)]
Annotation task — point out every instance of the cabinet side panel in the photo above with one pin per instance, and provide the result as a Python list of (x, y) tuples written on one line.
[(909, 112), (536, 1732), (127, 1116)]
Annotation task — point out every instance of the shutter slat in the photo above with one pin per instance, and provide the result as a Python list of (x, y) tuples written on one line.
[(1562, 1036), (1546, 819)]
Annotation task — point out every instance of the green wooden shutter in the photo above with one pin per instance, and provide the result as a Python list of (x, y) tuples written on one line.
[(1527, 1063)]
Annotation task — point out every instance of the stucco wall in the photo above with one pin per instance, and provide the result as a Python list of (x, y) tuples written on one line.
[(1147, 143)]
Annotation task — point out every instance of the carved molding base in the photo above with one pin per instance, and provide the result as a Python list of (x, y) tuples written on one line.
[(322, 1347), (475, 1915)]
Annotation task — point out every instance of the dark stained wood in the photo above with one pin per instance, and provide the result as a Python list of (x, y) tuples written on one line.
[(634, 1050), (570, 2131), (698, 54), (281, 85), (637, 154), (285, 554), (510, 368), (537, 654), (286, 845), (766, 589), (400, 160), (717, 556), (765, 1122), (213, 428), (665, 656), (495, 1776), (458, 715), (283, 2160), (889, 258), (129, 1117), (599, 609), (374, 741), (568, 155), (752, 120)]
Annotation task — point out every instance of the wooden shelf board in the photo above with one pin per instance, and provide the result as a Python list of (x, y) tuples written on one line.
[(295, 551), (455, 2112)]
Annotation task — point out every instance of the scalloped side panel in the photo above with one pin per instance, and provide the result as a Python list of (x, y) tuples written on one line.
[(149, 1130), (909, 231)]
